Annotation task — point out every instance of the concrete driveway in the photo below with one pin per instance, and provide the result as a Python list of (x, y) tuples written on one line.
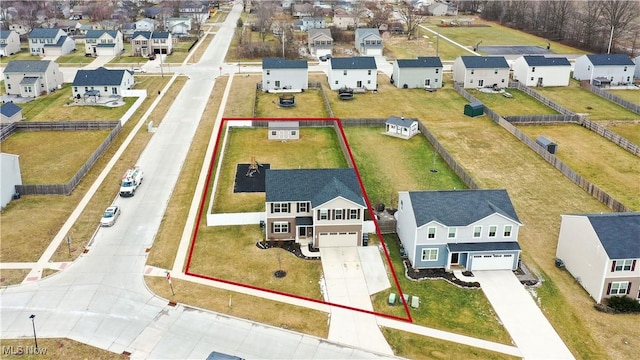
[(530, 330)]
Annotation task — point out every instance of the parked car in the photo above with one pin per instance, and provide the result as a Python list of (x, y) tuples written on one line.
[(139, 70), (110, 216), (325, 57), (152, 56)]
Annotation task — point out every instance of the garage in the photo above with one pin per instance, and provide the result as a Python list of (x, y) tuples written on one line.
[(491, 262), (337, 239)]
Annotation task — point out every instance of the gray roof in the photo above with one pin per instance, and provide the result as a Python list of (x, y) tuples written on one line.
[(284, 125), (58, 43), (315, 185), (358, 62), (365, 32), (160, 35), (460, 207), (400, 121), (420, 62), (610, 59), (29, 80), (5, 33), (99, 76), (486, 62), (279, 63), (40, 33), (619, 233), (546, 61), (27, 66), (315, 32), (94, 34), (145, 34), (484, 246), (9, 109)]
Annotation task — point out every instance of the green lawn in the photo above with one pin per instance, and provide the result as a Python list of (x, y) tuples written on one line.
[(308, 104), (75, 58), (180, 52), (23, 54), (519, 104), (629, 131), (629, 95)]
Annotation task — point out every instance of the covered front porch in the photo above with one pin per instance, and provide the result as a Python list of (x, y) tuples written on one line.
[(483, 256)]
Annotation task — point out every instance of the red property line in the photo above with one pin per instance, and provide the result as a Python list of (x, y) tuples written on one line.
[(366, 198)]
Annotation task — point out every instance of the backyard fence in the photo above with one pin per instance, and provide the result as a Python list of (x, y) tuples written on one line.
[(616, 99), (611, 136), (550, 103), (543, 119)]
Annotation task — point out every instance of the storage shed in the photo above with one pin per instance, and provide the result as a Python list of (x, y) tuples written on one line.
[(547, 144), (284, 130), (474, 109)]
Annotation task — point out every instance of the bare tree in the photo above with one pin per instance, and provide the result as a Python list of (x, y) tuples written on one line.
[(380, 16), (359, 12), (410, 18), (264, 11), (620, 16)]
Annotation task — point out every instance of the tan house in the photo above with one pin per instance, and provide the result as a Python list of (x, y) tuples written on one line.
[(481, 71), (31, 78)]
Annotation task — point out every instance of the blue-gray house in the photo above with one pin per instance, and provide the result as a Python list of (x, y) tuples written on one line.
[(105, 82), (459, 229)]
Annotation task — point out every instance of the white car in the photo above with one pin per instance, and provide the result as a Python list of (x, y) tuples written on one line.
[(139, 70), (110, 216)]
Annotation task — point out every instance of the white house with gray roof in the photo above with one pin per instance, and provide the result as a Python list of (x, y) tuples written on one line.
[(602, 251), (604, 69), (417, 73), (401, 127), (358, 72), (9, 42), (50, 42), (103, 42), (481, 71), (31, 78), (10, 113), (321, 207), (283, 74), (107, 82), (460, 229), (368, 42), (178, 26), (539, 70), (320, 42)]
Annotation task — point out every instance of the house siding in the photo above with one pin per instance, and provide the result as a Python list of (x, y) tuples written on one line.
[(633, 289), (551, 75), (12, 43), (337, 78), (441, 262), (585, 70), (470, 78), (415, 77), (406, 224), (288, 78), (48, 80)]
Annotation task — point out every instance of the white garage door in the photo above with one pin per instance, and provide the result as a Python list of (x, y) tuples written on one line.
[(337, 239), (491, 262)]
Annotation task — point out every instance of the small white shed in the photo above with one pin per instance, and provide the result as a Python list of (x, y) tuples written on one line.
[(401, 127), (284, 130)]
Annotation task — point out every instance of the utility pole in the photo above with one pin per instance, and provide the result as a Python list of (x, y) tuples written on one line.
[(610, 40)]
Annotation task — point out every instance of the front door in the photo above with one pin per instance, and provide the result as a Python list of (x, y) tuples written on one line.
[(427, 82), (455, 258), (480, 83), (359, 84), (277, 84), (302, 232)]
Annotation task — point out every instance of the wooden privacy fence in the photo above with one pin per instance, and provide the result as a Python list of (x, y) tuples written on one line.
[(611, 136), (616, 99), (550, 103), (66, 189)]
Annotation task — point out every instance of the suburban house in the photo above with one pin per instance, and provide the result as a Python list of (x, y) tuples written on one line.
[(401, 127), (50, 42), (542, 71), (283, 74), (422, 72), (301, 10), (344, 20), (322, 207), (368, 42), (10, 176), (309, 23), (459, 229), (320, 42), (443, 8), (481, 71), (353, 72), (284, 130), (604, 69), (9, 42), (637, 72), (196, 10), (83, 29), (602, 251), (10, 113), (178, 26), (161, 42), (104, 42), (102, 82), (144, 43), (31, 78), (128, 29), (145, 24)]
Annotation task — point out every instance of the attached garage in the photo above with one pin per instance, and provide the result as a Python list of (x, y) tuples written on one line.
[(486, 255), (491, 262), (337, 239)]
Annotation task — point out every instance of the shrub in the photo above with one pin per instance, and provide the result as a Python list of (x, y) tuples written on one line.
[(623, 304)]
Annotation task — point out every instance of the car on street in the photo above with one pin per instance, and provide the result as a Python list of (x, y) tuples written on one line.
[(139, 70), (110, 216), (152, 56)]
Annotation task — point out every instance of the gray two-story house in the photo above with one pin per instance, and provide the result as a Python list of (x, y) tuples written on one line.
[(32, 78), (422, 72)]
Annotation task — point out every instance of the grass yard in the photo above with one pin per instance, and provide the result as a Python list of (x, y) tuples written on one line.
[(23, 54), (45, 157), (437, 46), (317, 148), (180, 51), (75, 58), (242, 96), (519, 104), (57, 349), (628, 130), (409, 169), (12, 276), (398, 47), (605, 164), (629, 95), (309, 104)]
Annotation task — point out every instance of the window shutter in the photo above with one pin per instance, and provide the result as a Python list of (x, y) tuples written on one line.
[(297, 207), (633, 265), (318, 214), (358, 214), (333, 214), (609, 289), (288, 208), (272, 208), (629, 288), (613, 266)]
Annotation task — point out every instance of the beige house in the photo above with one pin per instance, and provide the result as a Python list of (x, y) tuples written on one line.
[(31, 78)]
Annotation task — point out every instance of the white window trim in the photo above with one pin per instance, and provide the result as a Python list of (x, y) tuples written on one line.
[(338, 214), (621, 288), (495, 232), (280, 208), (474, 232), (430, 252), (455, 233), (622, 264), (280, 227), (504, 231), (435, 231), (323, 214), (353, 214)]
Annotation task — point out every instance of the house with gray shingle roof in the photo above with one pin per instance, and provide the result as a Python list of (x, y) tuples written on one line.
[(161, 42), (103, 42), (358, 72), (417, 73), (401, 127), (141, 43), (368, 42), (178, 26), (604, 69), (9, 42), (107, 81), (481, 71), (542, 71), (320, 42), (321, 207), (31, 78), (10, 113), (602, 251), (460, 229), (283, 74), (50, 42)]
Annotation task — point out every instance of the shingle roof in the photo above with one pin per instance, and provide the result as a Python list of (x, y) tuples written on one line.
[(40, 33), (27, 66), (484, 246), (160, 35), (144, 34), (317, 32), (619, 233), (278, 63), (365, 32), (94, 34), (5, 34), (29, 80), (610, 59), (546, 61), (460, 207), (315, 185), (400, 121), (420, 62), (58, 43), (360, 62), (99, 76), (9, 109), (488, 62)]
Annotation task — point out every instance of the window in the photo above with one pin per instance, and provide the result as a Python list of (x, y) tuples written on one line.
[(618, 288), (323, 214), (293, 133), (401, 205), (502, 81), (338, 214), (589, 68), (368, 81), (9, 86), (273, 133), (623, 265), (532, 78), (507, 231), (368, 72), (303, 207), (492, 231), (429, 254), (280, 207), (495, 71), (472, 71), (106, 89), (533, 69), (625, 68), (280, 227), (477, 231), (431, 233), (452, 233), (354, 214), (437, 71), (336, 82), (344, 72), (268, 72), (471, 81)]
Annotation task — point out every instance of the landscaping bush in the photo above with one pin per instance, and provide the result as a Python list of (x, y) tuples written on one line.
[(623, 304)]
